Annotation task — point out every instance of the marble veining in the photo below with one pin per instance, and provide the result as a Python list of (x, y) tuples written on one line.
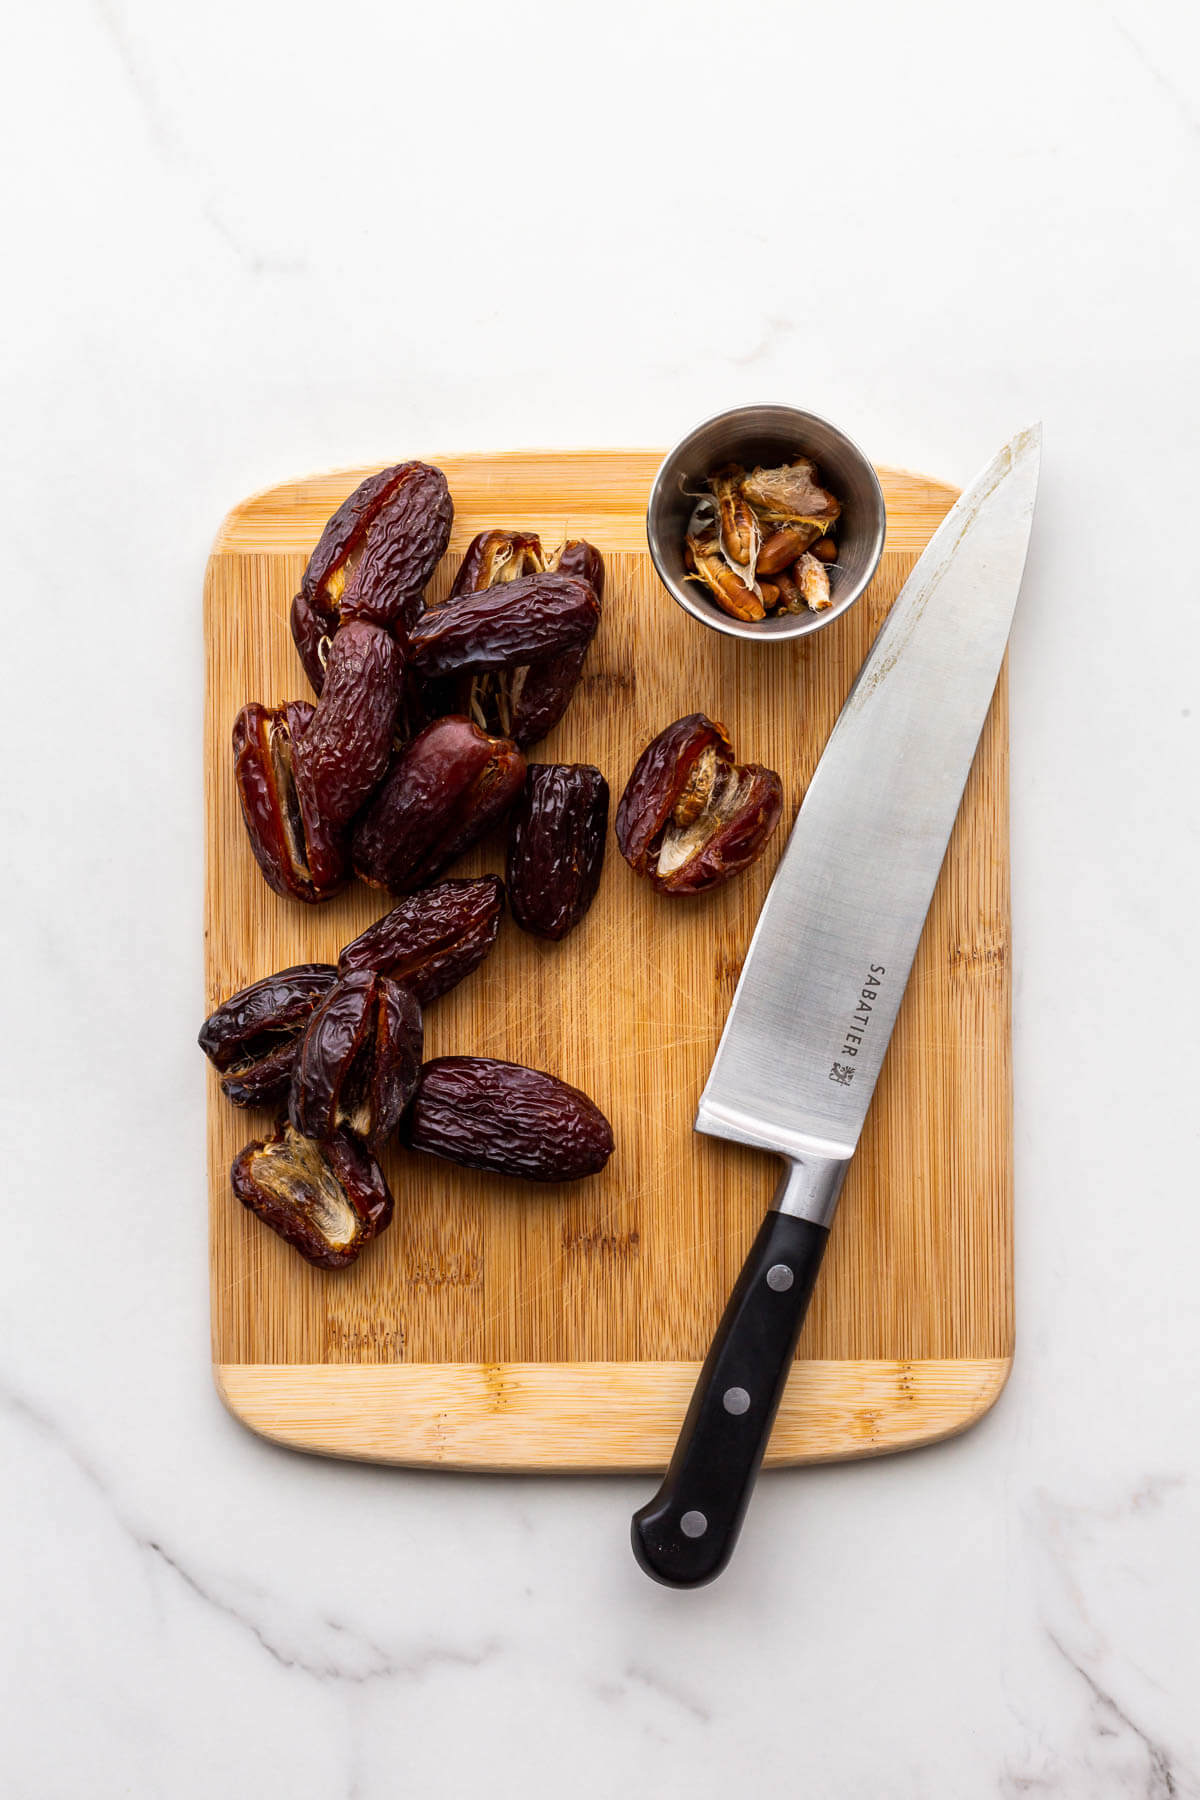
[(248, 245)]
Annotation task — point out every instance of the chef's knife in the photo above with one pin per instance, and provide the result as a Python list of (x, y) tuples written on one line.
[(824, 975)]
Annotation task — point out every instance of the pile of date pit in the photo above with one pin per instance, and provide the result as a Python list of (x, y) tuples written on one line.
[(414, 749)]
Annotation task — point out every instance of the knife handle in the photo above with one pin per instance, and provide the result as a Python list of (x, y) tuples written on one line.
[(686, 1534)]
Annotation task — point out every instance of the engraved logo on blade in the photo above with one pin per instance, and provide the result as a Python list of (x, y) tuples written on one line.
[(843, 1072)]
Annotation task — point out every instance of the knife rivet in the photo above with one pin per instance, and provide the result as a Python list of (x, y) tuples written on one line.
[(780, 1277), (735, 1400), (693, 1524)]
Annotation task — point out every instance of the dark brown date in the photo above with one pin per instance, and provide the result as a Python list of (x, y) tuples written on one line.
[(556, 846), (325, 1200), (252, 1038), (343, 756), (496, 557), (373, 560), (524, 702), (689, 817), (433, 939), (504, 1117), (520, 621), (300, 853), (358, 1060), (578, 557), (443, 792)]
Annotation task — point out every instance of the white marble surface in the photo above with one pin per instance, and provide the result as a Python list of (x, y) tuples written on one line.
[(245, 241)]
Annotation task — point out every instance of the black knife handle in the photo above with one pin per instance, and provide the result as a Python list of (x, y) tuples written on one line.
[(686, 1534)]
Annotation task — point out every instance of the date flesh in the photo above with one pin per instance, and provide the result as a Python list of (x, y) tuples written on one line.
[(373, 560), (521, 621), (252, 1038), (343, 755), (556, 847), (325, 1200), (358, 1060), (690, 817), (301, 854), (432, 939), (507, 1118), (443, 792)]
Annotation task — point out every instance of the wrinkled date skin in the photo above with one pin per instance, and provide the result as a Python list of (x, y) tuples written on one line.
[(343, 755), (432, 940), (506, 1118), (325, 1200), (358, 1060), (519, 621), (443, 792), (301, 854), (556, 847), (252, 1038), (374, 559), (690, 817)]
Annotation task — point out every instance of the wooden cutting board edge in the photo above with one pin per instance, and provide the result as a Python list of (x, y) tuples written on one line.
[(575, 1417)]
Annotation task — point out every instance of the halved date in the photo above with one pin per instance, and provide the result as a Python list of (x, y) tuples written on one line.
[(507, 1118), (526, 701), (520, 621), (301, 854), (325, 1200), (252, 1038), (373, 559), (443, 792), (497, 557), (343, 755), (690, 817), (432, 939), (358, 1060), (556, 846)]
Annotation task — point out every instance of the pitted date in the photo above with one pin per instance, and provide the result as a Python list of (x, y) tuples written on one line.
[(326, 1200), (556, 846), (373, 560), (689, 817), (433, 939), (519, 621), (443, 792), (507, 1118), (526, 701), (343, 755), (358, 1060), (252, 1038), (497, 557), (301, 854), (578, 557)]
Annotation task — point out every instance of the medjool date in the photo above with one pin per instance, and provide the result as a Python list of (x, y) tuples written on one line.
[(443, 792), (432, 939), (520, 621), (252, 1038), (690, 817), (373, 560), (342, 756), (326, 1200), (358, 1060), (507, 1118), (556, 846), (301, 854)]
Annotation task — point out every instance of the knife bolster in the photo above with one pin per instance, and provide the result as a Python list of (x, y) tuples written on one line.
[(809, 1188)]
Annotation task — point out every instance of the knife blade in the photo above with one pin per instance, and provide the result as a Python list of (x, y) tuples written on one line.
[(824, 977)]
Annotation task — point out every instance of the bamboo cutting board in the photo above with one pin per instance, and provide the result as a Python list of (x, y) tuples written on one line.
[(500, 1325)]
